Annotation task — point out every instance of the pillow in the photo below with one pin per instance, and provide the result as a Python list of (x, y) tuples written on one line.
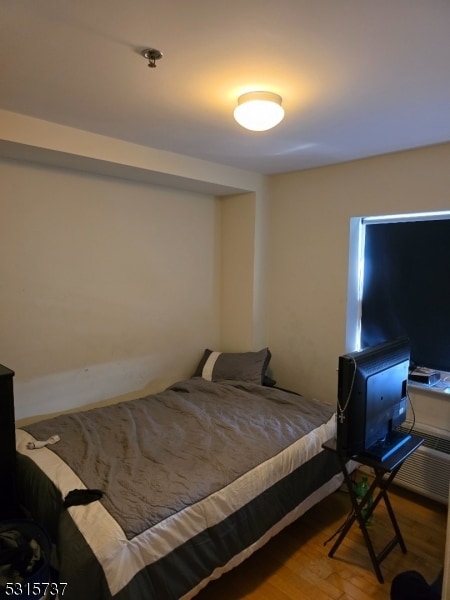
[(239, 366)]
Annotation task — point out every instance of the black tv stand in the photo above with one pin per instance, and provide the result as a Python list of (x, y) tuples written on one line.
[(385, 472), (384, 448)]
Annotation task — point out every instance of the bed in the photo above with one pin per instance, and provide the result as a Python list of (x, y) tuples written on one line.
[(180, 486)]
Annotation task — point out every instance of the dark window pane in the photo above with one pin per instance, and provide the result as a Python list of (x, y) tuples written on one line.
[(407, 288)]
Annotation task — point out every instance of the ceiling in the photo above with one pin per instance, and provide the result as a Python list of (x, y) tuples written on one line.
[(358, 77)]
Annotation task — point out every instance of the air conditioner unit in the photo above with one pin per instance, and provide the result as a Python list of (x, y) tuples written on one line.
[(427, 470)]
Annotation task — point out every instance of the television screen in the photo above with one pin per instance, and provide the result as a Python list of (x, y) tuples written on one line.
[(372, 399)]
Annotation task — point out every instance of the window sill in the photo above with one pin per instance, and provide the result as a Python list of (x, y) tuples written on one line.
[(441, 387)]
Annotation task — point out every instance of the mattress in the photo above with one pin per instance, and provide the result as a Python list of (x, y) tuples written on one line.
[(193, 481)]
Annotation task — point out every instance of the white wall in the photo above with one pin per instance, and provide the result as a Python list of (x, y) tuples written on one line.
[(309, 220), (107, 286), (238, 266), (112, 286)]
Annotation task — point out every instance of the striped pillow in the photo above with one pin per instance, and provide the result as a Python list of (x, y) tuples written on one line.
[(237, 366)]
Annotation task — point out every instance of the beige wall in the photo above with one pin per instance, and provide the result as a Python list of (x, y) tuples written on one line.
[(244, 251), (308, 252), (107, 286), (111, 286), (238, 214)]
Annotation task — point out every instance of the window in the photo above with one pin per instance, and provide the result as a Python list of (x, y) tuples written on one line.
[(402, 277)]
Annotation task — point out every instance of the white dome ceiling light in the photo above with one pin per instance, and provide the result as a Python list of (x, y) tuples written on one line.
[(259, 111)]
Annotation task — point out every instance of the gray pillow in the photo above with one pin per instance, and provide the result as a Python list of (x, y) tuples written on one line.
[(238, 366)]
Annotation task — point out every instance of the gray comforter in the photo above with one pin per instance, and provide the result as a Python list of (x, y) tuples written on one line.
[(155, 457)]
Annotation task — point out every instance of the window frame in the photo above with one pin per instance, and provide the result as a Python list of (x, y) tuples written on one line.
[(356, 267)]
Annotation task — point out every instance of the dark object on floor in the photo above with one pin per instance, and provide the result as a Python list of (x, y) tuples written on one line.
[(411, 585), (76, 497), (25, 549), (19, 556)]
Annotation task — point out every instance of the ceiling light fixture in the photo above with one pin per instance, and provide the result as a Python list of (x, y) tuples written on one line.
[(259, 111), (152, 55)]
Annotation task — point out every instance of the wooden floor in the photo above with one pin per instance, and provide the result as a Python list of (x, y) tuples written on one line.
[(295, 564)]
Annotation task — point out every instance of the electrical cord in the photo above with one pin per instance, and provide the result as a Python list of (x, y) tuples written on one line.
[(340, 529), (411, 406), (347, 519)]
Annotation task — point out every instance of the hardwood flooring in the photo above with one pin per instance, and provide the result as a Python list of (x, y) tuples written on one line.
[(295, 565)]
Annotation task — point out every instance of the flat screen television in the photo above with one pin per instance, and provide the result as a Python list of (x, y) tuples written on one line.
[(372, 399)]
